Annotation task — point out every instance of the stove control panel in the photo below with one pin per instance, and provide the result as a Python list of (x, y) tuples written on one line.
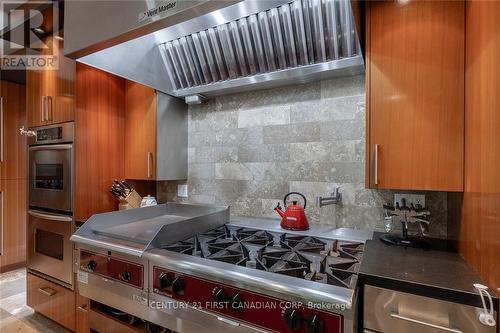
[(243, 305), (112, 268)]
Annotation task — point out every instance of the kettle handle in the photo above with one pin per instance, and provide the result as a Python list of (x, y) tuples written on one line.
[(298, 193)]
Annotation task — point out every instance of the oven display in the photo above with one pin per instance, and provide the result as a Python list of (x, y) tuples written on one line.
[(49, 134), (49, 176)]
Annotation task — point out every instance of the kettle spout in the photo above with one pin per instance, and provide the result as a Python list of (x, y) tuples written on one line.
[(278, 209)]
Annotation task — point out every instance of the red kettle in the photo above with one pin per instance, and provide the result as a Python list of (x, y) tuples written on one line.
[(294, 217)]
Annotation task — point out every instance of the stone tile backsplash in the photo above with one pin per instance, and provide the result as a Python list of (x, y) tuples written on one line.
[(248, 150)]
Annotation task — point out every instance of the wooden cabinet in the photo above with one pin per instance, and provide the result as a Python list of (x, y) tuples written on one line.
[(480, 225), (12, 117), (50, 95), (99, 140), (51, 300), (12, 223), (12, 176), (415, 95), (82, 314), (155, 135)]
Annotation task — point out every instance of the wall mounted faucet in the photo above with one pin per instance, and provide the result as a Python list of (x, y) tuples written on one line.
[(335, 198)]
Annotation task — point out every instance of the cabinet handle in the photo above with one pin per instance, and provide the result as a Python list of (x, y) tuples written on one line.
[(49, 108), (150, 158), (1, 129), (375, 164), (82, 308), (47, 291), (424, 323), (42, 107)]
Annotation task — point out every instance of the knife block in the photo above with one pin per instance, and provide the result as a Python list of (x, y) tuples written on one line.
[(132, 200)]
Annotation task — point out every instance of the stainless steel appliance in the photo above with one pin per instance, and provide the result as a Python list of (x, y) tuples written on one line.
[(50, 199), (213, 47), (187, 268), (390, 311)]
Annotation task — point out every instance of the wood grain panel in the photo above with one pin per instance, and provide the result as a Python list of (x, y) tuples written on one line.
[(51, 300), (82, 314), (99, 147), (140, 129), (13, 165), (480, 228), (416, 94), (12, 222)]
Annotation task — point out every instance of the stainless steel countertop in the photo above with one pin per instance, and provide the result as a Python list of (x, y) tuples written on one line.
[(315, 230)]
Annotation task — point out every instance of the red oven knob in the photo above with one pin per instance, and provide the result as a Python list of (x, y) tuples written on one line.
[(165, 281), (293, 319), (237, 303), (315, 324), (178, 285), (126, 276), (92, 265)]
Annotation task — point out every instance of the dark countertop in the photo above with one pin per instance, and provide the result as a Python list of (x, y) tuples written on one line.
[(437, 272)]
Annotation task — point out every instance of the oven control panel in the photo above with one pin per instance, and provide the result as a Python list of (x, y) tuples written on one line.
[(112, 268), (255, 309)]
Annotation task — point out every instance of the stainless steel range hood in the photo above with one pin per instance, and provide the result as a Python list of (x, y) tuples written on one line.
[(208, 48)]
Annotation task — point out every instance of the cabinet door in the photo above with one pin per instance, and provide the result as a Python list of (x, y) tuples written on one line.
[(82, 314), (34, 86), (63, 87), (50, 92), (140, 132), (12, 223), (51, 300), (415, 95), (12, 144), (99, 140)]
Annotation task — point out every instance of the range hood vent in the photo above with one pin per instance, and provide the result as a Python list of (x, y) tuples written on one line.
[(204, 48), (298, 34)]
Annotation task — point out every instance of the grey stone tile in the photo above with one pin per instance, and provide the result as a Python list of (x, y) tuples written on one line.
[(323, 151), (264, 153), (201, 170), (340, 87), (235, 171), (342, 130), (263, 116), (239, 137), (264, 189), (303, 132), (338, 108), (201, 139), (215, 154)]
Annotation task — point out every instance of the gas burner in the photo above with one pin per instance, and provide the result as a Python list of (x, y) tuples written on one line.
[(325, 261)]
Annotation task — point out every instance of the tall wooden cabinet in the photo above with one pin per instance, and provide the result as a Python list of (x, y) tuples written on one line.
[(12, 176), (99, 140), (155, 134), (415, 95), (51, 93), (480, 227)]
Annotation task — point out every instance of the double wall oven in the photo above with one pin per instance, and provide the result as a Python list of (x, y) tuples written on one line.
[(50, 202)]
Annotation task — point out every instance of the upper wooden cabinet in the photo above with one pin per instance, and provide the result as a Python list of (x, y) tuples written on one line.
[(50, 94), (155, 135), (99, 140), (12, 144), (415, 95)]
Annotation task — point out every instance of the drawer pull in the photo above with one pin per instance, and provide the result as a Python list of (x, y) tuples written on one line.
[(411, 320), (47, 291), (83, 308)]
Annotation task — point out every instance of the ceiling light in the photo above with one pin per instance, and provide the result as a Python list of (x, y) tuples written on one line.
[(39, 30)]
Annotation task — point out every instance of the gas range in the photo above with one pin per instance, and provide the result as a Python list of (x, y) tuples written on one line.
[(190, 269), (327, 261)]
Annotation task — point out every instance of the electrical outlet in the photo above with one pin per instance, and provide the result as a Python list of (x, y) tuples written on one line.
[(182, 191), (410, 199)]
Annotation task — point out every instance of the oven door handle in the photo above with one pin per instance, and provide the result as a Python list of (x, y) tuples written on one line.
[(52, 147), (51, 217)]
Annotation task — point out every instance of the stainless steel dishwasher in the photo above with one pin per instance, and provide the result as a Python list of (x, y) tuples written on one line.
[(389, 311)]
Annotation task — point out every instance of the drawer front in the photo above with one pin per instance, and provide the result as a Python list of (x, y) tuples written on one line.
[(103, 323), (51, 300), (389, 311)]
